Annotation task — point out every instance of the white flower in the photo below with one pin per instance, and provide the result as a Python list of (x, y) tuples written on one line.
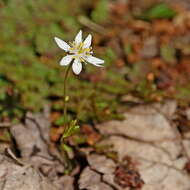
[(78, 51)]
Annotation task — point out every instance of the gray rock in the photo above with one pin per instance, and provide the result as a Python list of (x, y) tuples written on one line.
[(149, 136), (101, 164), (144, 123), (21, 177), (91, 180)]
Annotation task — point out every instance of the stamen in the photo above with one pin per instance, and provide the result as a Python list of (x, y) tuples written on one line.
[(79, 52)]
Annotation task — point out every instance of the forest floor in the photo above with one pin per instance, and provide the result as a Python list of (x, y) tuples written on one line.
[(134, 126)]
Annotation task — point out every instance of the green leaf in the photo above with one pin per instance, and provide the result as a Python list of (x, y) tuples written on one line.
[(71, 130), (100, 13), (66, 148), (60, 121), (158, 11)]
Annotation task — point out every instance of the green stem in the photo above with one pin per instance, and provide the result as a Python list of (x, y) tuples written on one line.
[(64, 93)]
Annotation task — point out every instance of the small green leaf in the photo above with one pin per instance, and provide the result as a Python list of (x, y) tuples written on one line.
[(158, 11), (71, 129), (100, 13), (60, 121), (102, 105), (66, 148)]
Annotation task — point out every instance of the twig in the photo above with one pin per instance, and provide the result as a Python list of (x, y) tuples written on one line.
[(93, 26), (5, 124)]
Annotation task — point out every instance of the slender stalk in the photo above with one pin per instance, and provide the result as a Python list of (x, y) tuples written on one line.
[(65, 154), (64, 93)]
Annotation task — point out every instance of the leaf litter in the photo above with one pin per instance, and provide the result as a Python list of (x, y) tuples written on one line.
[(147, 45)]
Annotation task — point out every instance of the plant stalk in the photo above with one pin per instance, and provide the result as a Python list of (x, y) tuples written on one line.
[(64, 94)]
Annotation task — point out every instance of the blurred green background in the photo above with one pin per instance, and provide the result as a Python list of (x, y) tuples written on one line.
[(146, 58)]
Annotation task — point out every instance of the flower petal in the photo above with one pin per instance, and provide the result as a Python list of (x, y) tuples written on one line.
[(63, 45), (94, 60), (66, 60), (97, 65), (77, 66), (78, 38), (88, 41)]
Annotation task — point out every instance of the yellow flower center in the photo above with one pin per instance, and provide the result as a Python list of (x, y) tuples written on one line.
[(79, 51)]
